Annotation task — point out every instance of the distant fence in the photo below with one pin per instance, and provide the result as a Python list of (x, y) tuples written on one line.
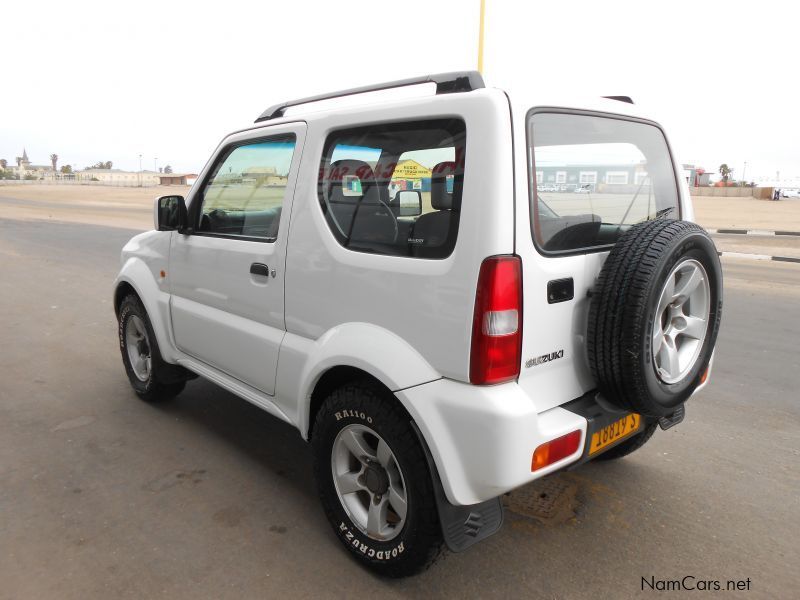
[(74, 182), (759, 193)]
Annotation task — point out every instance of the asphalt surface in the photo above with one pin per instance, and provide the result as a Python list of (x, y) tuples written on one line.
[(105, 496), (780, 245)]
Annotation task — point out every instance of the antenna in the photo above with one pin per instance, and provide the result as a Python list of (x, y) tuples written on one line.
[(480, 39)]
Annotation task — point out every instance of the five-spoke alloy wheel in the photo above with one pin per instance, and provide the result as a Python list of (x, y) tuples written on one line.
[(681, 320), (138, 346), (369, 482)]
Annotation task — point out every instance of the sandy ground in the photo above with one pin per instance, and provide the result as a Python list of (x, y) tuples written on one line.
[(131, 208), (747, 213), (128, 208)]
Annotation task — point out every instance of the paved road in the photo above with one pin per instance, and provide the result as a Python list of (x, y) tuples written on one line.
[(102, 495), (770, 245)]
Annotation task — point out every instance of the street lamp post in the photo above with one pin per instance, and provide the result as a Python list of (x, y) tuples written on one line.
[(155, 165)]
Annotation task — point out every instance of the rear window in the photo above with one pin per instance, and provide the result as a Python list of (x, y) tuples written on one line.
[(395, 188), (592, 178)]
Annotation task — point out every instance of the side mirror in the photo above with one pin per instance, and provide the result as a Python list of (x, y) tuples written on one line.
[(409, 203), (170, 213)]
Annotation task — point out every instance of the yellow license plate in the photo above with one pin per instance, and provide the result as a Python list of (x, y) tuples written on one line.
[(626, 426)]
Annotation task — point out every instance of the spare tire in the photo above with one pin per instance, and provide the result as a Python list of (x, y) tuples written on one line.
[(654, 316)]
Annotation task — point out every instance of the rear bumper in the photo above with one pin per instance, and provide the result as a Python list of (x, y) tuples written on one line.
[(482, 438)]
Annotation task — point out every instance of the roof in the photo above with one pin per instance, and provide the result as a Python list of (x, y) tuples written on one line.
[(446, 83), (522, 98)]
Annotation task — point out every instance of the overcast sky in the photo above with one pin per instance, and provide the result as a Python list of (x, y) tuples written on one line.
[(103, 80)]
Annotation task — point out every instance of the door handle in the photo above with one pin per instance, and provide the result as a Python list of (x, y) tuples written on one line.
[(259, 269)]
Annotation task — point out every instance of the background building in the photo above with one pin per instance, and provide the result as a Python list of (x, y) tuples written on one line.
[(696, 176), (568, 177), (27, 170), (118, 177)]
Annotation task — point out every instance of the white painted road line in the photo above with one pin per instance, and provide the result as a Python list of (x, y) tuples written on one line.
[(759, 232), (748, 256)]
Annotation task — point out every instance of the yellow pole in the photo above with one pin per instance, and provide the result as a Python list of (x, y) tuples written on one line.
[(480, 39)]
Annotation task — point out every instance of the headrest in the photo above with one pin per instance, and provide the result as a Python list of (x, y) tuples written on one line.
[(336, 196), (441, 199), (340, 169)]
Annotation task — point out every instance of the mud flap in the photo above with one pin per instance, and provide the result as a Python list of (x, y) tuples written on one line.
[(462, 526), (672, 420)]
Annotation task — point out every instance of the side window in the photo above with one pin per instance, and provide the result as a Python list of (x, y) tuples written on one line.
[(395, 189), (611, 173), (244, 194)]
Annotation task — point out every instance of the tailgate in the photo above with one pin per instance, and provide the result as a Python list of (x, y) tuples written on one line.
[(590, 177)]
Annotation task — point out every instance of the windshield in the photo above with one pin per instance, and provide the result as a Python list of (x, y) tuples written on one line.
[(593, 177)]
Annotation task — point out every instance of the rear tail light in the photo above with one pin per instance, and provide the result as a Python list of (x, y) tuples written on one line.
[(497, 323), (554, 450)]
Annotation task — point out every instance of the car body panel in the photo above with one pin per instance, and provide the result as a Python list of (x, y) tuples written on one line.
[(482, 438), (428, 303), (142, 260), (222, 314)]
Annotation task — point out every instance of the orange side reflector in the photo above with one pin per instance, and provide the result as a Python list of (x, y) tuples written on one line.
[(704, 376), (554, 450)]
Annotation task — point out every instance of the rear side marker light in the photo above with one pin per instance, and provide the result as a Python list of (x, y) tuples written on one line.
[(496, 349), (554, 450)]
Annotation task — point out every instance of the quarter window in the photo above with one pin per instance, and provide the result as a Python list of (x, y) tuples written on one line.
[(624, 175), (395, 189), (244, 195)]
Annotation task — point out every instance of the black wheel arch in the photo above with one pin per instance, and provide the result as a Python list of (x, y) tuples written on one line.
[(334, 378), (123, 290)]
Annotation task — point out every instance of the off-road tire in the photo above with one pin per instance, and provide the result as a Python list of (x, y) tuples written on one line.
[(165, 381), (630, 445), (419, 544), (623, 307)]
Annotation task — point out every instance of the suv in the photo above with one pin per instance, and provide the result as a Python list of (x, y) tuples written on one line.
[(387, 279)]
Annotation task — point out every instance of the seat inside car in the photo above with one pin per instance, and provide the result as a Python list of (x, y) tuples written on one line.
[(439, 227), (360, 217)]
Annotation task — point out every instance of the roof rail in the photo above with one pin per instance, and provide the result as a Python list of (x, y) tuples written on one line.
[(446, 83), (620, 98)]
